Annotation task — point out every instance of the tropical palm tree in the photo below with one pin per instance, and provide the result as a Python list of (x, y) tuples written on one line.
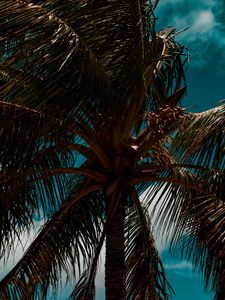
[(90, 119)]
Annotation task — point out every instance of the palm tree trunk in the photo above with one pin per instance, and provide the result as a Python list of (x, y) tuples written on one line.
[(115, 256)]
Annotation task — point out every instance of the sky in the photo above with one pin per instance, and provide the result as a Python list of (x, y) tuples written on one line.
[(205, 39)]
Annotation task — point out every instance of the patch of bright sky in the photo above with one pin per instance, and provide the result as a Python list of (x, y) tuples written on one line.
[(186, 283)]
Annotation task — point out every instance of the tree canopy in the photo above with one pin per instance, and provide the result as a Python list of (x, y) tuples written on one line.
[(90, 118)]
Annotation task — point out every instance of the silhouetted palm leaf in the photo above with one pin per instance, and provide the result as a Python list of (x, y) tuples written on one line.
[(71, 232), (142, 257), (201, 138)]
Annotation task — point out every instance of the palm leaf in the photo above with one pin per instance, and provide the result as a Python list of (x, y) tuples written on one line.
[(43, 50), (85, 287), (142, 257), (20, 128), (163, 80), (123, 58), (25, 192), (169, 77), (66, 242), (203, 240), (190, 209), (201, 139), (201, 228)]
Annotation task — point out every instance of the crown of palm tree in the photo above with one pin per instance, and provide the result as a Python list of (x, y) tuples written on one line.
[(90, 119)]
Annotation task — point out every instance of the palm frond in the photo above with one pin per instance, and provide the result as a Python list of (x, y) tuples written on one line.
[(42, 167), (201, 139), (66, 242), (163, 80), (85, 287), (39, 52), (127, 40), (203, 240), (190, 209), (167, 86), (20, 128), (25, 194), (201, 232), (142, 257)]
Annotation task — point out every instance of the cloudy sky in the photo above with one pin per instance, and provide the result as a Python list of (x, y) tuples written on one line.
[(205, 40)]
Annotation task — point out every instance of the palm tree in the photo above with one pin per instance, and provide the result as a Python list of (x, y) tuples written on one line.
[(90, 119)]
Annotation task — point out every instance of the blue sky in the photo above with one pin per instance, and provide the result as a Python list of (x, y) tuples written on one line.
[(205, 39)]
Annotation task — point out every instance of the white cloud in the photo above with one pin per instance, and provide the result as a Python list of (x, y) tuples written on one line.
[(206, 28), (181, 268), (179, 265), (204, 22), (187, 3), (200, 23)]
